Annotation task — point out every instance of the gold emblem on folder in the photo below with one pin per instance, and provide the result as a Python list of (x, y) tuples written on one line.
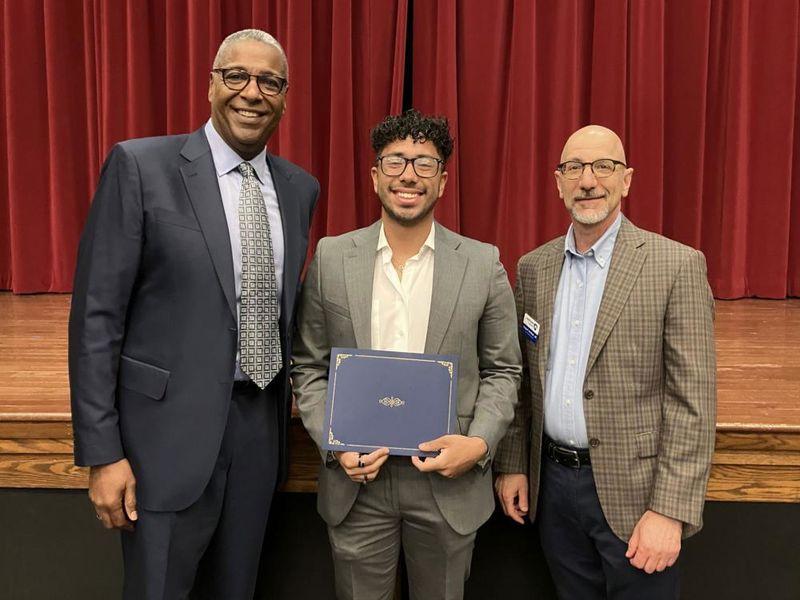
[(392, 401)]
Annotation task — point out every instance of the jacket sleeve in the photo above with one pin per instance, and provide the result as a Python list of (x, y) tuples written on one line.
[(689, 407), (311, 353), (513, 452), (499, 363), (107, 266)]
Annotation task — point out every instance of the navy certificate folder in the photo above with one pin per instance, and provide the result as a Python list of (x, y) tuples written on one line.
[(394, 399)]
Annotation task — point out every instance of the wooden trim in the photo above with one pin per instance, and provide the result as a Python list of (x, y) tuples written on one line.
[(758, 466)]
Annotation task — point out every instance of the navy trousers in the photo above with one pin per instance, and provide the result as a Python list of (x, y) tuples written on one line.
[(211, 549), (586, 558)]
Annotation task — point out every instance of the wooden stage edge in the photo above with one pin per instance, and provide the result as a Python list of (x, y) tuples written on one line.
[(756, 459)]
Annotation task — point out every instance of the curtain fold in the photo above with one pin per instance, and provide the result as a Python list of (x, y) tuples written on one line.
[(78, 77), (702, 92)]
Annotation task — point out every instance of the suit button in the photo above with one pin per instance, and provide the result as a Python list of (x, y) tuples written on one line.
[(588, 394), (594, 442)]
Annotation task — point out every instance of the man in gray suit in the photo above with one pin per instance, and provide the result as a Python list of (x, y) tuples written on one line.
[(408, 284), (179, 334)]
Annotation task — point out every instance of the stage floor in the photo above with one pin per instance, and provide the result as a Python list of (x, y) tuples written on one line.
[(758, 401)]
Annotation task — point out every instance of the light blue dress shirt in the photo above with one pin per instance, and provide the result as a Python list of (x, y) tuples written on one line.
[(226, 163), (580, 291)]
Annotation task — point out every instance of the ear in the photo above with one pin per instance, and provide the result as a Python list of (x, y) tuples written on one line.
[(210, 85), (442, 183), (559, 181), (374, 172), (626, 181)]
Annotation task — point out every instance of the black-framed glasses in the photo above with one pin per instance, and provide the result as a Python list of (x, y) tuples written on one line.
[(424, 166), (238, 79), (602, 167)]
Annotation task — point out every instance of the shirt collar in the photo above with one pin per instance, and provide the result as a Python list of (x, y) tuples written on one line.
[(226, 159), (601, 250), (383, 244)]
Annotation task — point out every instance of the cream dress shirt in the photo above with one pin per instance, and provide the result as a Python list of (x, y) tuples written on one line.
[(401, 307)]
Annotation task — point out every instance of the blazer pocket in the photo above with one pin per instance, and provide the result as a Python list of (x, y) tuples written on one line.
[(170, 217), (336, 309), (142, 377), (646, 444)]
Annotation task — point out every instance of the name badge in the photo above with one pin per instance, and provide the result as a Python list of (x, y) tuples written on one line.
[(530, 328)]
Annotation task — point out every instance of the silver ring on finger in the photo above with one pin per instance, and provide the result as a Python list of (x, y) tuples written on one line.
[(99, 518), (360, 463), (366, 480)]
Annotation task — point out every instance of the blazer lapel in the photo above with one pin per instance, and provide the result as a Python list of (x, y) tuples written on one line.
[(292, 261), (359, 268), (448, 273), (626, 263), (546, 290), (199, 177)]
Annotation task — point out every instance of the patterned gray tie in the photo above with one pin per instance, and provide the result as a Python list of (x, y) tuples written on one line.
[(259, 339)]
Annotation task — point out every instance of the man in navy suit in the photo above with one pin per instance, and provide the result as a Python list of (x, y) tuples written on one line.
[(179, 335)]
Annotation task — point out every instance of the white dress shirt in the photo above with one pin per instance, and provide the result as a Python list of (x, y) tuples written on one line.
[(401, 306)]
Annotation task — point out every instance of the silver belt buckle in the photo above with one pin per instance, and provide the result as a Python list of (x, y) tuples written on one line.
[(574, 461)]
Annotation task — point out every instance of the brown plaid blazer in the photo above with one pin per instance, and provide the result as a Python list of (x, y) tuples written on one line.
[(650, 387)]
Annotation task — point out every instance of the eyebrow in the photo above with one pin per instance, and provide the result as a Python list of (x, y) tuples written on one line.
[(401, 155)]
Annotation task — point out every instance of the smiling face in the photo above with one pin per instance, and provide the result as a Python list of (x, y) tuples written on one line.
[(409, 199), (592, 201), (247, 118)]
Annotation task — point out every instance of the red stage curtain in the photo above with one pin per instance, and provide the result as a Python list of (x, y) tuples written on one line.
[(704, 94), (77, 77)]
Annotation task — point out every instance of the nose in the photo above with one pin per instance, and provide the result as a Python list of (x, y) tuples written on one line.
[(251, 91), (588, 180), (408, 174)]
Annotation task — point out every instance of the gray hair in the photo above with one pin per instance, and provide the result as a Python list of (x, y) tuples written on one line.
[(249, 34)]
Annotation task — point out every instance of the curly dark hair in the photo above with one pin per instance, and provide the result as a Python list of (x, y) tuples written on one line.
[(418, 127)]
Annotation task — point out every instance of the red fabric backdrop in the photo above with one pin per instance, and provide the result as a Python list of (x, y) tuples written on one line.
[(77, 77), (703, 92)]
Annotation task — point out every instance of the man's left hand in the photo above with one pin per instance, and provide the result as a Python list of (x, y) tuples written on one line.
[(655, 543), (458, 454)]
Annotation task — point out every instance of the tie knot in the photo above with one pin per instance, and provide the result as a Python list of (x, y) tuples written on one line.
[(247, 170)]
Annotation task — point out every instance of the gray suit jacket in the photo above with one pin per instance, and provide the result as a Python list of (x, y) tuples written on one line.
[(650, 387), (471, 315)]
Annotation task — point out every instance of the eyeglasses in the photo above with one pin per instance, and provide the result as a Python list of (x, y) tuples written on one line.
[(602, 167), (424, 166), (238, 79)]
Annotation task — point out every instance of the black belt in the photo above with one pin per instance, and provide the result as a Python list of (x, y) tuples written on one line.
[(574, 458)]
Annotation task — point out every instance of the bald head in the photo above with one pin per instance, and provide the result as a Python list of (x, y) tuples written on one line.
[(593, 137)]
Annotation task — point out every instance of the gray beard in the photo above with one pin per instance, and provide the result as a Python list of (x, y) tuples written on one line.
[(590, 218)]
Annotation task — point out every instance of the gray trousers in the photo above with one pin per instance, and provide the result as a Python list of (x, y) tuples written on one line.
[(398, 508)]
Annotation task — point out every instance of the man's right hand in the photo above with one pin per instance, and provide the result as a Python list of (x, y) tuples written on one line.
[(362, 468), (512, 490), (112, 490)]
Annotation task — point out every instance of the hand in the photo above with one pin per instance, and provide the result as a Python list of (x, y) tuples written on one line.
[(459, 453), (512, 491), (655, 543), (112, 490), (362, 468)]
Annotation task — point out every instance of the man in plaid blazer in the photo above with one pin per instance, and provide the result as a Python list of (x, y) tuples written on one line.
[(614, 432)]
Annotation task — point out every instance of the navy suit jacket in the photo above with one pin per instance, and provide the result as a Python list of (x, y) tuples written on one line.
[(153, 329)]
